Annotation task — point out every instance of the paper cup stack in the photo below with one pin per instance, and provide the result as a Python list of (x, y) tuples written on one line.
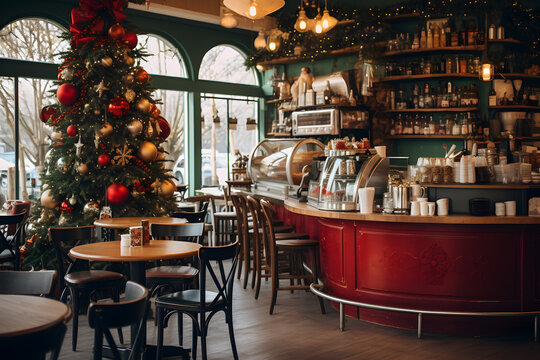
[(125, 240)]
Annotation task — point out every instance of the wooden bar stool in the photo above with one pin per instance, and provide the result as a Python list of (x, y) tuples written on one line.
[(293, 249)]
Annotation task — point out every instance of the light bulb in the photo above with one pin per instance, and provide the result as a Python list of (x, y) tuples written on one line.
[(486, 72), (318, 28), (325, 24), (302, 25), (328, 21), (272, 46), (253, 10)]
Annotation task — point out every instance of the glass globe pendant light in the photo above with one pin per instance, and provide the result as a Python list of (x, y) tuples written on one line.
[(318, 28), (228, 20), (302, 21), (260, 41), (254, 9), (328, 21)]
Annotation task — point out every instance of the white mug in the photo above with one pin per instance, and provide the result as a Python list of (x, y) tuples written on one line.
[(415, 208), (422, 199), (442, 207), (417, 191), (431, 208), (365, 199), (424, 208), (500, 209), (510, 207)]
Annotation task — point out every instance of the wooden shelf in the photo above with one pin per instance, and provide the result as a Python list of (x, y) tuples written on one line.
[(284, 134), (424, 76), (402, 17), (294, 59), (439, 49), (515, 108), (424, 137), (456, 109), (483, 186), (521, 138), (505, 41), (518, 76), (275, 101)]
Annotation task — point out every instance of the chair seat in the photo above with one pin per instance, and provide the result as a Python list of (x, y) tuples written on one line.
[(187, 298), (296, 243), (291, 235), (6, 254), (172, 272), (86, 277)]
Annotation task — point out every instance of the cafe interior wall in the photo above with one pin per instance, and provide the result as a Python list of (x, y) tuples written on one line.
[(193, 39)]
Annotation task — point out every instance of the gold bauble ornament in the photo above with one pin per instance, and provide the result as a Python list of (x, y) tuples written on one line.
[(106, 129), (47, 200), (147, 151), (150, 130), (97, 112), (106, 61), (167, 188), (143, 105), (129, 60), (129, 79), (135, 127), (46, 216), (82, 169), (130, 95), (56, 135)]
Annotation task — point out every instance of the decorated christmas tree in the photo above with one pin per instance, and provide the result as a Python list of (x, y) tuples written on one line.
[(107, 132)]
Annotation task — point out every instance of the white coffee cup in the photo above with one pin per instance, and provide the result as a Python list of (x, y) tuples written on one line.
[(415, 208), (381, 150), (442, 207), (500, 209), (424, 208), (422, 199), (417, 191), (125, 240), (365, 199), (510, 207), (431, 208)]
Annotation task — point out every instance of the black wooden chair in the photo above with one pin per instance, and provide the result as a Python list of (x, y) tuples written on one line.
[(36, 345), (39, 283), (131, 310), (78, 278), (11, 239), (197, 303)]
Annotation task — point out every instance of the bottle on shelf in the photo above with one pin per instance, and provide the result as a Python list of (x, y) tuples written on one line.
[(416, 42), (423, 39), (429, 38), (436, 36), (431, 125), (443, 37), (399, 126)]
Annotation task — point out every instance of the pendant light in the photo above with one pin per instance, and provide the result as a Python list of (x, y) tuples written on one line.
[(487, 71), (328, 21), (274, 40), (318, 28), (254, 9), (228, 20), (302, 21), (260, 41)]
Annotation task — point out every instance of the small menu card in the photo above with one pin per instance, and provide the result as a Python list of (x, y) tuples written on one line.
[(145, 232), (136, 233)]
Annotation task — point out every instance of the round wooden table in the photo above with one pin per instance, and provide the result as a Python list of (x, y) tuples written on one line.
[(136, 256), (24, 314), (127, 222)]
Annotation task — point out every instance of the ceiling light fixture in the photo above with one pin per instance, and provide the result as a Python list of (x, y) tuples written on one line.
[(274, 40), (302, 21), (260, 41), (254, 9), (328, 21), (318, 28), (228, 20)]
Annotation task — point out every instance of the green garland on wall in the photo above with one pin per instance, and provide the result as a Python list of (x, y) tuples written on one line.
[(369, 28)]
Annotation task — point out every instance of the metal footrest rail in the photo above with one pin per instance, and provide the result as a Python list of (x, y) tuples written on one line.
[(342, 302)]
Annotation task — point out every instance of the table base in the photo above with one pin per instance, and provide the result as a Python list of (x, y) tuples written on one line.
[(149, 352)]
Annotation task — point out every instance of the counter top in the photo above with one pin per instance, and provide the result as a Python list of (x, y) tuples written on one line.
[(296, 207)]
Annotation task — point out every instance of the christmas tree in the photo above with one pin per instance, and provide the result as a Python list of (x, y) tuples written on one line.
[(106, 144)]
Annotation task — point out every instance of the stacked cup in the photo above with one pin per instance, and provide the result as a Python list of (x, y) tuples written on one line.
[(500, 209), (510, 208), (442, 207), (125, 240)]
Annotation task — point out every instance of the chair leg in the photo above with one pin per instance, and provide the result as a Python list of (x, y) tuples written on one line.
[(275, 283), (240, 262), (98, 343), (160, 318), (247, 260), (258, 270), (202, 325), (116, 298), (75, 307), (112, 344), (180, 328), (194, 336), (231, 333)]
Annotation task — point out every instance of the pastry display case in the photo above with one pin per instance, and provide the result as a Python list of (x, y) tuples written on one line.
[(276, 164), (344, 172)]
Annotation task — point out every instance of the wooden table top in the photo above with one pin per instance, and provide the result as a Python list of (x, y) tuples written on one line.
[(24, 314), (157, 250), (127, 222), (211, 191)]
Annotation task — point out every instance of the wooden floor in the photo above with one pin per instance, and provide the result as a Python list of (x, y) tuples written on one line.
[(298, 330)]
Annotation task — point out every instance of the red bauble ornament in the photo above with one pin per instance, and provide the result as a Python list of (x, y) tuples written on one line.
[(130, 39), (66, 207), (67, 94), (164, 126), (72, 130), (103, 159), (142, 76), (117, 32), (46, 113), (117, 194), (118, 107)]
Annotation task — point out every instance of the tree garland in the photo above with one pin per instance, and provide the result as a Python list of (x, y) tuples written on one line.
[(369, 28)]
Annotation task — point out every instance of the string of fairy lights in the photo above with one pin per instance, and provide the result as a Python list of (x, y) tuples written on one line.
[(365, 28)]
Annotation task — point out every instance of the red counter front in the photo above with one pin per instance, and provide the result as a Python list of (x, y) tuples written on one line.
[(432, 265)]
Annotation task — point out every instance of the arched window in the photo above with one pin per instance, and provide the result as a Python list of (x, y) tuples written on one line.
[(163, 58), (226, 63), (30, 39)]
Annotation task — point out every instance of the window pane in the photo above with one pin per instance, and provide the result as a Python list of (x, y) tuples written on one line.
[(244, 138), (173, 110), (225, 63), (163, 58), (214, 142), (33, 96), (7, 136), (32, 39)]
